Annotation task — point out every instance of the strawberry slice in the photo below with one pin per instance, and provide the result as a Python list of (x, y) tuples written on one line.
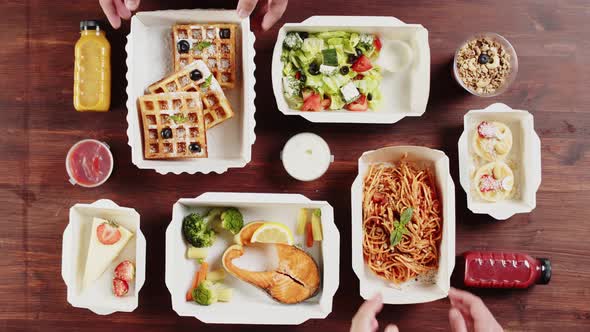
[(125, 271), (108, 233), (120, 287)]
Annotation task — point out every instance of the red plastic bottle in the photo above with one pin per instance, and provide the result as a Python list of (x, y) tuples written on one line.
[(487, 269)]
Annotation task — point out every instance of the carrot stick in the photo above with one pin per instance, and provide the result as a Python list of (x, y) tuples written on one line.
[(202, 273), (308, 235), (199, 277)]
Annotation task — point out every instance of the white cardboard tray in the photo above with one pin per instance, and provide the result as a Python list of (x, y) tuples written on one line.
[(149, 59), (249, 304), (524, 159), (99, 297), (411, 291), (404, 93)]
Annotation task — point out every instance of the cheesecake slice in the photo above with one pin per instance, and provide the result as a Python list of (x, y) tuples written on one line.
[(107, 240)]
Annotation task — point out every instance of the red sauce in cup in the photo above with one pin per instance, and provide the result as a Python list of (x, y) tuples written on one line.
[(89, 163)]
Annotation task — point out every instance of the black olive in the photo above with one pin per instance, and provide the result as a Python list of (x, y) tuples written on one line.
[(196, 75), (194, 147), (344, 70), (302, 78), (314, 68), (352, 58), (370, 96), (358, 52), (183, 46), (166, 133), (303, 34), (224, 33), (483, 58)]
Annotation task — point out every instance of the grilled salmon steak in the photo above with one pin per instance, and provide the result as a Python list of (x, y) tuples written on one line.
[(296, 278)]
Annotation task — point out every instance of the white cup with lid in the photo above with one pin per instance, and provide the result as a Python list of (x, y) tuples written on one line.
[(306, 156)]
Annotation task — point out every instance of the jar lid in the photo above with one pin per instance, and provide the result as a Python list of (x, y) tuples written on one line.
[(545, 271), (89, 25)]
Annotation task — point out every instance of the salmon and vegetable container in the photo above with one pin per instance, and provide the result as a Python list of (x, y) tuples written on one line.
[(233, 258)]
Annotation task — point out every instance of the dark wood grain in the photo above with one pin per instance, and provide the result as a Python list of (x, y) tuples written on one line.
[(39, 125)]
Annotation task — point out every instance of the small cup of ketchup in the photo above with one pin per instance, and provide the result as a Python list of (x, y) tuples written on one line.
[(89, 163)]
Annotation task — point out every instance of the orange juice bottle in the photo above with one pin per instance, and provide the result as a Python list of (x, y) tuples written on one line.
[(92, 69)]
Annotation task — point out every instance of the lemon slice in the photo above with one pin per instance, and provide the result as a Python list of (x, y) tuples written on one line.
[(273, 232)]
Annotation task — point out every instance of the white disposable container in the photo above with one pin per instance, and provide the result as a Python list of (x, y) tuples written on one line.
[(99, 297), (149, 59), (249, 304), (410, 291), (524, 159), (405, 92)]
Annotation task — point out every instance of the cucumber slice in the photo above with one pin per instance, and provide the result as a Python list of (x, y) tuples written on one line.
[(330, 57)]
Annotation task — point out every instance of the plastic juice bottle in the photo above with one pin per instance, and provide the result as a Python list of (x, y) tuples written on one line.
[(92, 69), (488, 269)]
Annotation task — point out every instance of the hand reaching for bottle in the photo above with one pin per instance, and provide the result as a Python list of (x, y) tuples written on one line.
[(469, 313), (115, 10), (365, 321)]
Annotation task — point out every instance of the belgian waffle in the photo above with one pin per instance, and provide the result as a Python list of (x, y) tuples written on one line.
[(215, 44), (173, 125), (195, 77)]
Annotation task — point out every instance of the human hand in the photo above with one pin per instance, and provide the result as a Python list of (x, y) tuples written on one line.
[(364, 320), (273, 11), (115, 10), (469, 313)]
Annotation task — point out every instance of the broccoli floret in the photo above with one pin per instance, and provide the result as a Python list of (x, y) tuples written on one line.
[(232, 220), (205, 293), (196, 231)]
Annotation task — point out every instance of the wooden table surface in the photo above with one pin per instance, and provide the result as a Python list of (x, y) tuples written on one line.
[(40, 124)]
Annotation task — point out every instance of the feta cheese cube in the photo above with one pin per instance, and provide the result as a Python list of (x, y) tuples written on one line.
[(328, 70), (350, 92)]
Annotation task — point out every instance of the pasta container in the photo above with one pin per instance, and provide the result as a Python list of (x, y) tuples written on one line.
[(149, 59), (422, 289), (99, 297), (524, 158), (249, 304), (404, 92)]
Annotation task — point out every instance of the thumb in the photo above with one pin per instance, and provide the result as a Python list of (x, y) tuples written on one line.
[(391, 328), (457, 321), (132, 4)]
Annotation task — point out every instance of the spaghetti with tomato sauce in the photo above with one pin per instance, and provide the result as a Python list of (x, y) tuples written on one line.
[(389, 190)]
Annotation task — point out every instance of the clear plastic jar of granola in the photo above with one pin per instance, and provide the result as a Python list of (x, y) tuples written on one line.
[(485, 64)]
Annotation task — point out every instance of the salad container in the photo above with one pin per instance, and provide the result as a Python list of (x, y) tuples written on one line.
[(413, 291), (99, 297), (249, 304), (524, 158), (149, 59), (404, 89)]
